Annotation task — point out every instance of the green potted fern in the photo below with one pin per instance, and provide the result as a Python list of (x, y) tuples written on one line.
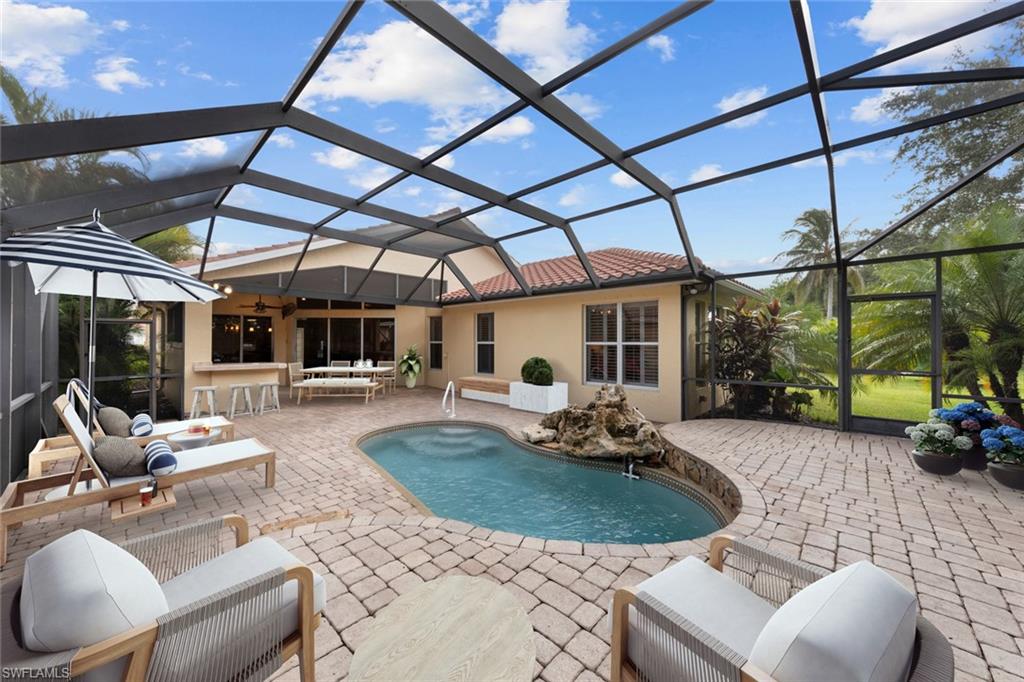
[(410, 366)]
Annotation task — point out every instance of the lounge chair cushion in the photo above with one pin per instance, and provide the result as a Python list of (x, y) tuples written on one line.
[(114, 422), (119, 456), (857, 624), (718, 605), (242, 563), (142, 425), (81, 589)]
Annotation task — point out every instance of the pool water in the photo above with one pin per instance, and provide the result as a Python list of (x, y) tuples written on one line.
[(482, 477)]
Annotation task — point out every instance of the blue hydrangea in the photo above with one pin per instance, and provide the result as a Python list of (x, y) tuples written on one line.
[(1017, 441), (988, 433), (993, 444)]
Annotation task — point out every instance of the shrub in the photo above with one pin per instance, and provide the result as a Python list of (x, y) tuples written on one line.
[(1004, 444), (938, 439), (537, 371)]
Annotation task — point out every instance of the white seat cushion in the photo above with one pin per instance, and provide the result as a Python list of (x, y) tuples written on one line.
[(81, 589), (242, 563), (721, 607), (857, 625), (167, 428)]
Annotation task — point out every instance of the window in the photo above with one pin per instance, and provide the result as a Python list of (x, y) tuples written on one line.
[(700, 339), (243, 339), (485, 343), (436, 349), (621, 343), (379, 339)]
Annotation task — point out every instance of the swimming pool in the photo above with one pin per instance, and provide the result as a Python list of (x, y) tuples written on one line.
[(481, 476)]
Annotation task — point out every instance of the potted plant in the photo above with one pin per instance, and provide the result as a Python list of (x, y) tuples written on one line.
[(410, 366), (1005, 446), (970, 419), (538, 391), (937, 448)]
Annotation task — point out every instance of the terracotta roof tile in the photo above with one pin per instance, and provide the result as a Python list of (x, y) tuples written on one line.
[(609, 265)]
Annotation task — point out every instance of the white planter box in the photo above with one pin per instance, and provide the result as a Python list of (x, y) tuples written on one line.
[(542, 399)]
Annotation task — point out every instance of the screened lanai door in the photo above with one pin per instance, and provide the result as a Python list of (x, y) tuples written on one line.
[(894, 360)]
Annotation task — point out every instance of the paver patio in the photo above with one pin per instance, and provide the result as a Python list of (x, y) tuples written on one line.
[(830, 498)]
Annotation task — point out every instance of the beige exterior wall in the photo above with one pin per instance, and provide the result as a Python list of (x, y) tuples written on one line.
[(552, 327)]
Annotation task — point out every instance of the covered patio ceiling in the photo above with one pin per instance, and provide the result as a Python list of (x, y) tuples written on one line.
[(138, 210)]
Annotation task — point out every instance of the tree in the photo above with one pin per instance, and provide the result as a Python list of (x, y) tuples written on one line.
[(942, 154), (812, 231)]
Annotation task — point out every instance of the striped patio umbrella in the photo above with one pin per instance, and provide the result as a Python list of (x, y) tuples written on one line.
[(92, 260)]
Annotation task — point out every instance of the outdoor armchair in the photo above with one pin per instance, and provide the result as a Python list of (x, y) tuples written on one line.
[(749, 610), (223, 615)]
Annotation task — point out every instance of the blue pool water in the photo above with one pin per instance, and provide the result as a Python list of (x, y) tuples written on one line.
[(480, 476)]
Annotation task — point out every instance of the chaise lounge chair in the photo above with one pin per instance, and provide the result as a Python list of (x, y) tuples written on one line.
[(71, 490), (751, 615), (164, 607), (58, 448)]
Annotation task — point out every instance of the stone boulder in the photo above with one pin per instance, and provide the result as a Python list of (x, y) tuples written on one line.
[(535, 433), (607, 428)]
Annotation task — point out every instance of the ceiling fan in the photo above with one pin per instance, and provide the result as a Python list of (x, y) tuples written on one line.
[(260, 307)]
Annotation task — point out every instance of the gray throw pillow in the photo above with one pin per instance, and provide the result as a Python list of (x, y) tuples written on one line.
[(119, 457), (115, 422)]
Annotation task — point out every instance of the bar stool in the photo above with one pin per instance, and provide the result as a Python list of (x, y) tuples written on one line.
[(268, 389), (246, 392), (197, 401)]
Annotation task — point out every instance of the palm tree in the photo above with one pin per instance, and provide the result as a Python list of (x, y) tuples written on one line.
[(812, 231)]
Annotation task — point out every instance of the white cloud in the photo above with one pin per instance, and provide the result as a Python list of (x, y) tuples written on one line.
[(400, 63), (446, 162), (371, 177), (243, 196), (508, 130), (623, 179), (385, 125), (742, 98), (113, 73), (120, 25), (866, 156), (468, 12), (574, 197), (413, 191), (282, 140), (543, 35), (871, 109), (706, 172), (38, 40), (186, 70), (888, 24), (663, 45), (209, 147), (584, 105), (339, 158)]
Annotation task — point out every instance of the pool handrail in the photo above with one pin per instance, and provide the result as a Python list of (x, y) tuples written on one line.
[(449, 389)]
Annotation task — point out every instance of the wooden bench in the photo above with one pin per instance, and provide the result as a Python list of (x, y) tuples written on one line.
[(487, 389), (338, 388)]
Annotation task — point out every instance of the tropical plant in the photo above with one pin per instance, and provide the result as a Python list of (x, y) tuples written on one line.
[(938, 439), (537, 371), (815, 244), (967, 419), (411, 363)]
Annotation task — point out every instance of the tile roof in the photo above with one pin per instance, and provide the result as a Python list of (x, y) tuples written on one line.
[(609, 265)]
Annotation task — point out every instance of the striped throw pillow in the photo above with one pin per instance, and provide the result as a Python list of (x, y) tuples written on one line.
[(142, 425), (160, 461)]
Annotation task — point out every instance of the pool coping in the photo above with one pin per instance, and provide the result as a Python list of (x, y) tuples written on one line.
[(751, 514)]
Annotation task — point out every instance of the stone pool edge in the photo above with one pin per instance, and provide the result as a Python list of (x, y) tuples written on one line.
[(751, 513)]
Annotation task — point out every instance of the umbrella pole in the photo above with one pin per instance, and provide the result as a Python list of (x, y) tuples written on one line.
[(92, 352)]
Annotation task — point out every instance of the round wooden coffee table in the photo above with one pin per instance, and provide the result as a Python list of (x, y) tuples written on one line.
[(454, 628)]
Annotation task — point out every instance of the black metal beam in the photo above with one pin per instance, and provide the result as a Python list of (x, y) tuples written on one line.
[(143, 227), (513, 268), (369, 271), (902, 80), (298, 261), (985, 167), (341, 23), (206, 247), (474, 294), (33, 141), (421, 280), (805, 37), (19, 218)]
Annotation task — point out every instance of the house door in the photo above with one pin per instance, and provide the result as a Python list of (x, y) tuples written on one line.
[(893, 360)]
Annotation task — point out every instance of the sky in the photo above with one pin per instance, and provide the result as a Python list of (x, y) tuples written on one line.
[(389, 80)]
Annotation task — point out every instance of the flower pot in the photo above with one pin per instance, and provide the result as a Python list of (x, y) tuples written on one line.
[(941, 465), (1010, 475), (976, 458), (410, 381)]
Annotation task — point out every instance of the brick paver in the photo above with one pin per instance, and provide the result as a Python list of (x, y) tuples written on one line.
[(827, 497)]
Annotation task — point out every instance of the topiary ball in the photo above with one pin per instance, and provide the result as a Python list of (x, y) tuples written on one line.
[(537, 371)]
